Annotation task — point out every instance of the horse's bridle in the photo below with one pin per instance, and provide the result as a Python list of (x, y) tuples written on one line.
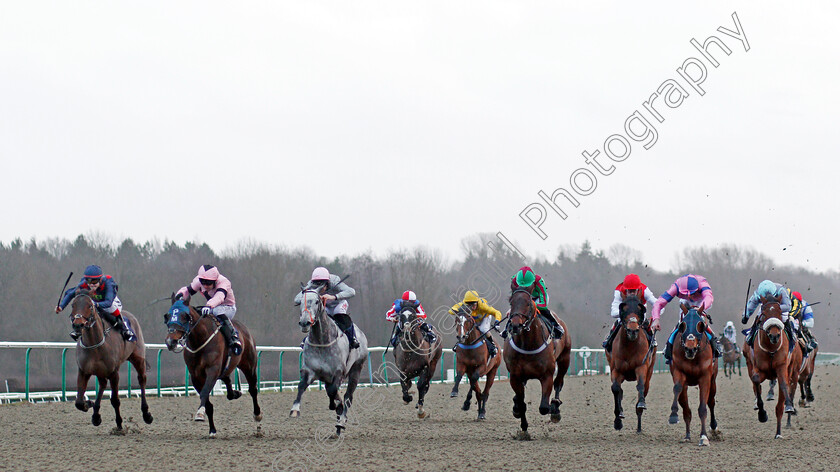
[(89, 323), (174, 324), (701, 346), (530, 320), (312, 318), (463, 316), (762, 319)]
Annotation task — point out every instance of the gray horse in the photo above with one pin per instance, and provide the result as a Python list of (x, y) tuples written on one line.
[(327, 357)]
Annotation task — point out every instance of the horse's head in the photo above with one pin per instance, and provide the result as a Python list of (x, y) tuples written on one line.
[(179, 322), (771, 318), (692, 331), (523, 310), (311, 305), (83, 314), (632, 315), (464, 325), (408, 315)]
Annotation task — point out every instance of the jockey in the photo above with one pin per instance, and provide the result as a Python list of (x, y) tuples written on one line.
[(525, 278), (631, 286), (769, 289), (335, 300), (730, 334), (409, 300), (484, 315), (221, 303), (803, 319), (103, 290), (694, 291)]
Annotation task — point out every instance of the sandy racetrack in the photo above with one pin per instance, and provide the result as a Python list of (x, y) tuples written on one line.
[(386, 435)]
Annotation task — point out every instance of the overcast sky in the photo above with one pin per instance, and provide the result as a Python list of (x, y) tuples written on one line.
[(332, 124)]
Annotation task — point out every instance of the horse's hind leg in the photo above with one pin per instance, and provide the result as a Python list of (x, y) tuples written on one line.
[(96, 419), (554, 408), (115, 396), (466, 405), (352, 383), (770, 395), (306, 377), (678, 388), (209, 408), (759, 403), (491, 377), (139, 364), (231, 393), (81, 387), (810, 396)]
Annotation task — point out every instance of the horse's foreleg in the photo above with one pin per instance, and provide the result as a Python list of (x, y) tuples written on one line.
[(780, 408), (555, 402), (209, 407), (306, 377), (474, 388), (641, 388), (618, 395), (96, 420), (405, 385), (231, 393), (784, 389), (352, 383), (519, 407), (422, 388), (458, 376), (678, 388), (115, 396), (139, 364), (82, 403), (702, 410), (759, 403), (206, 384), (711, 402), (686, 413)]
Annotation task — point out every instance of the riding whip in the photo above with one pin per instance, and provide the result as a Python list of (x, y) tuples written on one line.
[(62, 290), (747, 300), (390, 338)]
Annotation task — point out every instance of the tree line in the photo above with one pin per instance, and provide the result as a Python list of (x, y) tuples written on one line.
[(266, 278)]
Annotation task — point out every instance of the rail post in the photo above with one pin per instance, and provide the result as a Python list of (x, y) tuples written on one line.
[(158, 371), (28, 350), (64, 375)]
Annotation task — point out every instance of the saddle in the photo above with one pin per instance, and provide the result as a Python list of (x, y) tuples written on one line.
[(555, 328)]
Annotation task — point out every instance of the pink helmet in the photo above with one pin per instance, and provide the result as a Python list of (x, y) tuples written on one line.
[(320, 273), (410, 296), (208, 272)]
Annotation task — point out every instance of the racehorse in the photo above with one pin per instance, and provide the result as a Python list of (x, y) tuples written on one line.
[(474, 360), (771, 360), (531, 353), (327, 356), (694, 363), (415, 357), (632, 358), (807, 371), (731, 356), (208, 358), (100, 351)]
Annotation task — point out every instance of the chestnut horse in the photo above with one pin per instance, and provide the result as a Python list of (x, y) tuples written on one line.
[(208, 358), (693, 363), (731, 356), (631, 358), (100, 351), (415, 357), (771, 359), (531, 353), (473, 359)]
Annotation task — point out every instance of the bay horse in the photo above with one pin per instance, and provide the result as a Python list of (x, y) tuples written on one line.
[(208, 358), (100, 351), (693, 363), (805, 374), (771, 360), (415, 357), (531, 353), (731, 356), (327, 356), (473, 359), (632, 358)]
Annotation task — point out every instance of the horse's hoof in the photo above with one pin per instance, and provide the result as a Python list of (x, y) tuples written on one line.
[(423, 414), (332, 406), (407, 399), (481, 416), (453, 394), (762, 416), (778, 436), (673, 419), (618, 424), (234, 395), (770, 397), (810, 397), (258, 418), (621, 414), (685, 440), (212, 435), (522, 436), (790, 409), (200, 415), (641, 406), (294, 414), (555, 417), (715, 433), (147, 417), (544, 410), (516, 414), (338, 430), (96, 420), (704, 441)]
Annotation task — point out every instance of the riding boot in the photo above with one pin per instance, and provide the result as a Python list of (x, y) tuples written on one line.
[(351, 336), (790, 335), (491, 346), (230, 334), (124, 328), (667, 354), (715, 345), (607, 344), (430, 335)]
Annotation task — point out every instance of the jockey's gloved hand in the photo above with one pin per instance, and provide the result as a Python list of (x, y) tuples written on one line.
[(654, 326), (58, 309), (745, 319), (205, 310)]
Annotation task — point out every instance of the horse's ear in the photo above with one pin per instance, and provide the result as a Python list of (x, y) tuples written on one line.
[(682, 327), (166, 317), (763, 300), (302, 286), (642, 308), (683, 308), (172, 298)]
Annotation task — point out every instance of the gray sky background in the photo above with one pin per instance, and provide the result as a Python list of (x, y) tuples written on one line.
[(327, 124)]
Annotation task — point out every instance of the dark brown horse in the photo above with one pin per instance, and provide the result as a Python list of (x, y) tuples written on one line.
[(631, 358), (807, 371), (531, 353), (771, 359), (731, 356), (100, 351), (693, 363), (208, 358), (474, 360), (415, 357)]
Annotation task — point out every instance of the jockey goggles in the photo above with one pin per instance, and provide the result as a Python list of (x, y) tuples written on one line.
[(207, 282), (93, 280)]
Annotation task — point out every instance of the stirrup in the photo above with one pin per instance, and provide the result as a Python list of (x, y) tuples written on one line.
[(235, 347)]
